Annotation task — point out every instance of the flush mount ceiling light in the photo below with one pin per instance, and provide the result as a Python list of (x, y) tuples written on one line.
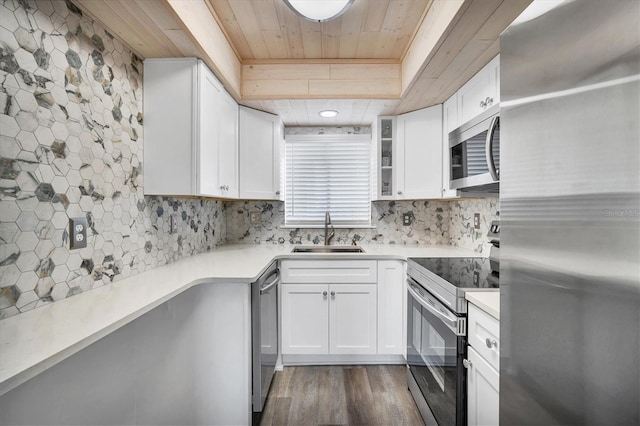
[(328, 113), (319, 10)]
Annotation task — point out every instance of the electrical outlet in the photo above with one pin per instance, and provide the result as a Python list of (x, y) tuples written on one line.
[(407, 219), (173, 223), (254, 217), (476, 220), (77, 233)]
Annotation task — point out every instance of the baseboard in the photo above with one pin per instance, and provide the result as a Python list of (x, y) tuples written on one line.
[(341, 359)]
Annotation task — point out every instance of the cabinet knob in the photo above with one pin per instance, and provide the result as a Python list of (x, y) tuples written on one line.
[(483, 104), (333, 293), (224, 187), (277, 192), (489, 101), (491, 343), (324, 293), (399, 192), (466, 363)]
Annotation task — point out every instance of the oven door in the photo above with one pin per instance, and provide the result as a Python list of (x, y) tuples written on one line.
[(436, 346)]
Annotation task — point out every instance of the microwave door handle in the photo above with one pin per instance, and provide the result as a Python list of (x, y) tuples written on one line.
[(451, 324), (489, 147)]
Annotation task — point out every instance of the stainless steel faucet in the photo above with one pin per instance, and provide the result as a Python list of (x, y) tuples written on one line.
[(327, 223)]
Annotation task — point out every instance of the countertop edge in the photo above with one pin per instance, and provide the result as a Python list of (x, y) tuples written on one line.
[(10, 378), (489, 302)]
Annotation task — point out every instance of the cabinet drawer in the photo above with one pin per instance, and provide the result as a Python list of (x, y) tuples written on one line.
[(329, 271), (484, 335)]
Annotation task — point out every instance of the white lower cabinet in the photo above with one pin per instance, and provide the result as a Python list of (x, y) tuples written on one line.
[(391, 307), (305, 319), (352, 318), (483, 366), (336, 311), (329, 319), (483, 396)]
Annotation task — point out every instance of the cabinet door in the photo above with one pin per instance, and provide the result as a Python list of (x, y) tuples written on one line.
[(352, 319), (305, 319), (449, 123), (228, 146), (386, 158), (483, 396), (391, 324), (170, 133), (419, 148), (209, 133), (480, 92), (259, 155)]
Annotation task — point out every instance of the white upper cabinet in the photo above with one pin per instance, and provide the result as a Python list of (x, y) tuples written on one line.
[(418, 152), (480, 93), (228, 146), (449, 123), (260, 149), (191, 128)]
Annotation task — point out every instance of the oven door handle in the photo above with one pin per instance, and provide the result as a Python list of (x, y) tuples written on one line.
[(450, 323)]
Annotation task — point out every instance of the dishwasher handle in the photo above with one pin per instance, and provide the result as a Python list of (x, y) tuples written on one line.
[(266, 288)]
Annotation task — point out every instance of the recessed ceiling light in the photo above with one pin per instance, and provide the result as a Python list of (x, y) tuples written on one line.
[(328, 113), (319, 11)]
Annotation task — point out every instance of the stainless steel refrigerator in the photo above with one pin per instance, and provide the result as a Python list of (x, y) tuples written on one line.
[(570, 214)]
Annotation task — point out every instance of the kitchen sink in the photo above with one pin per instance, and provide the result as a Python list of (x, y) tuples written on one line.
[(328, 249)]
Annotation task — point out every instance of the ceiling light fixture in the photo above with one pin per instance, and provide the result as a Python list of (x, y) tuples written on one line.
[(319, 10), (328, 113)]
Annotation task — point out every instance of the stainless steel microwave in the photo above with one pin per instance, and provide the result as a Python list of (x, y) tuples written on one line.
[(474, 152)]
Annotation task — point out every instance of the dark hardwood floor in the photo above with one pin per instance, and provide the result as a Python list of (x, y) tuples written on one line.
[(341, 395)]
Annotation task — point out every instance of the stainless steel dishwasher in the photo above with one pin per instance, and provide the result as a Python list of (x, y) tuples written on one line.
[(265, 339)]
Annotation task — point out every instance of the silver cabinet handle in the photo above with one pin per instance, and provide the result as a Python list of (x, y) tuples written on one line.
[(324, 293), (399, 192), (491, 343), (466, 363), (224, 187), (277, 192), (483, 104), (333, 293), (489, 101)]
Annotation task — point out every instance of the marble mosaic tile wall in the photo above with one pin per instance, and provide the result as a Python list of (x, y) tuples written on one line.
[(434, 222), (461, 229), (71, 146)]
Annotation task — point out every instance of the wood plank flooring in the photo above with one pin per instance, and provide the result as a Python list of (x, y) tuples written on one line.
[(341, 395)]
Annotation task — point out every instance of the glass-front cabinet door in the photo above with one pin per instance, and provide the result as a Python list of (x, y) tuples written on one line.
[(386, 139)]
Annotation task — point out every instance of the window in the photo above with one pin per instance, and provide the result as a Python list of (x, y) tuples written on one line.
[(327, 173)]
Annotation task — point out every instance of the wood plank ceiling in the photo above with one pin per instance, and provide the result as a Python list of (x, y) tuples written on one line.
[(380, 57), (370, 29)]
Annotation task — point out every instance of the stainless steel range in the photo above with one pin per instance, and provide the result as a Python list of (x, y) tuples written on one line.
[(437, 328)]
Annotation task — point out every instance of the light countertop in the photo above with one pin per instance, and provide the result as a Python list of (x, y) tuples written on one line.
[(38, 339), (488, 301)]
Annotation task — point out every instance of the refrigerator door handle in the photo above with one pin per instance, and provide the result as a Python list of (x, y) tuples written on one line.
[(489, 148)]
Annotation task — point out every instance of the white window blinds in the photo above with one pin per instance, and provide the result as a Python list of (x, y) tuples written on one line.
[(327, 173)]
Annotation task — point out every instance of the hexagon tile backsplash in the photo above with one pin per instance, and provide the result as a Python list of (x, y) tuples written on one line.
[(71, 145), (433, 223)]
